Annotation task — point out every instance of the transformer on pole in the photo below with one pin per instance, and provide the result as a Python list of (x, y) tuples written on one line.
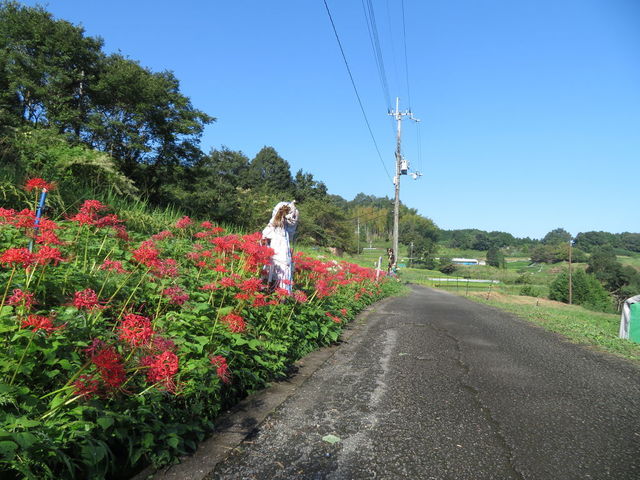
[(402, 167)]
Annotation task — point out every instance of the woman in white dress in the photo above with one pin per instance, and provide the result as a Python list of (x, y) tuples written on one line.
[(280, 232)]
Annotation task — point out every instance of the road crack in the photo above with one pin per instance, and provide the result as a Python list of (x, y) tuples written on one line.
[(474, 392)]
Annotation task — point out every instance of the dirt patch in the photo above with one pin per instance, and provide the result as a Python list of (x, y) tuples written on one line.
[(519, 299)]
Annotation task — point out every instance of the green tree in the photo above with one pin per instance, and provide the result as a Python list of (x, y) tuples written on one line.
[(305, 186), (420, 231), (586, 291), (269, 172), (554, 237), (495, 258)]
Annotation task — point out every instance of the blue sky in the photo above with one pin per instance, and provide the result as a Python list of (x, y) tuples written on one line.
[(530, 110)]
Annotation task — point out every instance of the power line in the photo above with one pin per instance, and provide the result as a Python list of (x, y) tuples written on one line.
[(406, 63), (355, 89), (372, 27)]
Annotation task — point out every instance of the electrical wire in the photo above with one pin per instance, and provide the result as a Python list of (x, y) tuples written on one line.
[(406, 63), (355, 89), (372, 28)]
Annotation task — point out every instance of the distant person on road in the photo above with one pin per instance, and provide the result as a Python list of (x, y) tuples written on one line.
[(392, 261), (278, 234)]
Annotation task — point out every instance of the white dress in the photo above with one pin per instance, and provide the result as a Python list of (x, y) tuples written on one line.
[(281, 268)]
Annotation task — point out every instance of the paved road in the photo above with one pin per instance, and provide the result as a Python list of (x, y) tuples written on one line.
[(436, 387)]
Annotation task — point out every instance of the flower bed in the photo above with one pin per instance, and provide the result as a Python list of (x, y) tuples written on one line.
[(119, 351)]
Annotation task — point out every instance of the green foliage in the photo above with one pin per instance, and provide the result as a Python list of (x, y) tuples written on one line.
[(557, 236), (495, 258), (50, 427), (421, 232), (586, 291)]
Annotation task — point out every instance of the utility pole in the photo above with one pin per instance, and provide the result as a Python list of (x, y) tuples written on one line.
[(402, 167), (570, 279)]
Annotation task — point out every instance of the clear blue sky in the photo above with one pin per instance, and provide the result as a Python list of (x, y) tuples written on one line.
[(530, 109)]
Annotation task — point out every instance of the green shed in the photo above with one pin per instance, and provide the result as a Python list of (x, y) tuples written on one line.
[(630, 319)]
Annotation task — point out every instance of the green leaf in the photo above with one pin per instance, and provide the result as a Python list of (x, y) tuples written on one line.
[(173, 442), (331, 439), (105, 422), (25, 439), (8, 449), (147, 440)]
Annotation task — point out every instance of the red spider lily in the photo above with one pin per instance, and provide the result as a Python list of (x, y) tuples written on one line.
[(167, 267), (222, 369), (40, 322), (47, 237), (6, 215), (92, 206), (38, 184), (333, 317), (162, 368), (113, 266), (19, 297), (110, 365), (162, 235), (111, 220), (259, 301), (343, 311), (230, 281), (209, 287), (300, 296), (47, 254), (176, 295), (251, 285), (282, 292), (86, 386), (147, 254), (87, 299), (83, 218), (226, 244), (136, 329), (17, 256), (121, 233), (221, 269), (24, 219), (184, 222), (162, 344), (206, 224), (234, 322)]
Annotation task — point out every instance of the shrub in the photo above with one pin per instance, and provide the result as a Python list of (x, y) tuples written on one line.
[(586, 290)]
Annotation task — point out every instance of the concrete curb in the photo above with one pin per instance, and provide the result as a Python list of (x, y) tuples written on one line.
[(243, 420)]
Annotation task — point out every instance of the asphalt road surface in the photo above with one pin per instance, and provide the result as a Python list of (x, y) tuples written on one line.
[(434, 386)]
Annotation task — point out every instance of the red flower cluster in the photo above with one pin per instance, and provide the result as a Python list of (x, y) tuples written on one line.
[(40, 322), (147, 254), (136, 329), (176, 295), (162, 368), (47, 254), (87, 299), (38, 184), (222, 369), (184, 222), (86, 386), (17, 256), (113, 266), (333, 317), (234, 322), (161, 235), (20, 298), (109, 363)]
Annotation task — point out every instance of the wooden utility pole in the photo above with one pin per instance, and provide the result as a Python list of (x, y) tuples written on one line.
[(570, 279), (401, 169)]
